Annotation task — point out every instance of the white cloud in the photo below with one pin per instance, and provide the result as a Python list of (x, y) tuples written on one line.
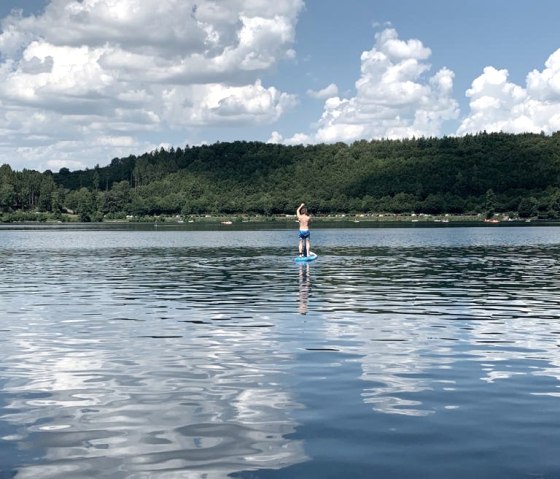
[(297, 139), (397, 49), (54, 155), (275, 137), (216, 104), (394, 96), (496, 104), (91, 69), (545, 85), (327, 92)]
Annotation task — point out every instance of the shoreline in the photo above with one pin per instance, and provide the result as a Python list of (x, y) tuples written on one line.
[(288, 221)]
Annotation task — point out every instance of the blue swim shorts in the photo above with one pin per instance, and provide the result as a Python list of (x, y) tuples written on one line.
[(304, 234)]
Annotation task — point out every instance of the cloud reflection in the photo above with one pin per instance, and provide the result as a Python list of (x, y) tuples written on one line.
[(411, 326), (153, 377)]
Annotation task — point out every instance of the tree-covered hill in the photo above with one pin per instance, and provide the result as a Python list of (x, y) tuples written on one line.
[(470, 174)]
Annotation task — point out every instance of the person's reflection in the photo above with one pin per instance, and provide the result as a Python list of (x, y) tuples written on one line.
[(304, 288)]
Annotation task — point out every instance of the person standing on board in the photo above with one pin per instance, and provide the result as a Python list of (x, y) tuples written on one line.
[(304, 234)]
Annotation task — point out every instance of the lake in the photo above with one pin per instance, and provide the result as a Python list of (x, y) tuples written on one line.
[(181, 353)]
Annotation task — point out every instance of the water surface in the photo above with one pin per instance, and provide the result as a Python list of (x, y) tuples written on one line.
[(400, 352)]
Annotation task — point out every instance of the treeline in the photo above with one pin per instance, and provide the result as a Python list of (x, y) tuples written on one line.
[(483, 173)]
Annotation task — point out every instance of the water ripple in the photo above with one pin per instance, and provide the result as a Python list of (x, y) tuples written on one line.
[(183, 358)]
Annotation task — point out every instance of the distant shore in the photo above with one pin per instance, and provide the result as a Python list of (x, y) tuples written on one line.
[(288, 219)]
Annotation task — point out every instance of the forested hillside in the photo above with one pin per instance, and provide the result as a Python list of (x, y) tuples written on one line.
[(485, 173)]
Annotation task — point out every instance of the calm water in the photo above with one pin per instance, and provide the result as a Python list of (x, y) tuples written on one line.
[(399, 353)]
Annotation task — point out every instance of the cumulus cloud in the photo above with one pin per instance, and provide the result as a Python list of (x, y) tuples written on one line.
[(218, 104), (327, 92), (298, 139), (496, 104), (394, 97), (90, 69)]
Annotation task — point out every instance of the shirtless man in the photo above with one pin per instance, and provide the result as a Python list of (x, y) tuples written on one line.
[(304, 234)]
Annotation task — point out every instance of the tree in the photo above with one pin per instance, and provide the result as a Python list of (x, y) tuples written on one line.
[(96, 179), (85, 205), (553, 204), (57, 201), (403, 203), (434, 204), (528, 207), (490, 203), (7, 197), (117, 199), (45, 192)]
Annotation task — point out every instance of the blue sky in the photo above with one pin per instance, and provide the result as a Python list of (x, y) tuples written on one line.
[(82, 82)]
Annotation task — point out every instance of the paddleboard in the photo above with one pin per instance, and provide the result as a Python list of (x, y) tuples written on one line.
[(304, 259)]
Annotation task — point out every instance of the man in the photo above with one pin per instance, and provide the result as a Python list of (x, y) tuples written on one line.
[(304, 234)]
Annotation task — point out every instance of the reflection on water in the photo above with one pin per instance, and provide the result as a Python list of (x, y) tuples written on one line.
[(415, 312), (304, 287), (134, 354)]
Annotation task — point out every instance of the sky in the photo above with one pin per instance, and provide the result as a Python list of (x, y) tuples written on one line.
[(86, 81)]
